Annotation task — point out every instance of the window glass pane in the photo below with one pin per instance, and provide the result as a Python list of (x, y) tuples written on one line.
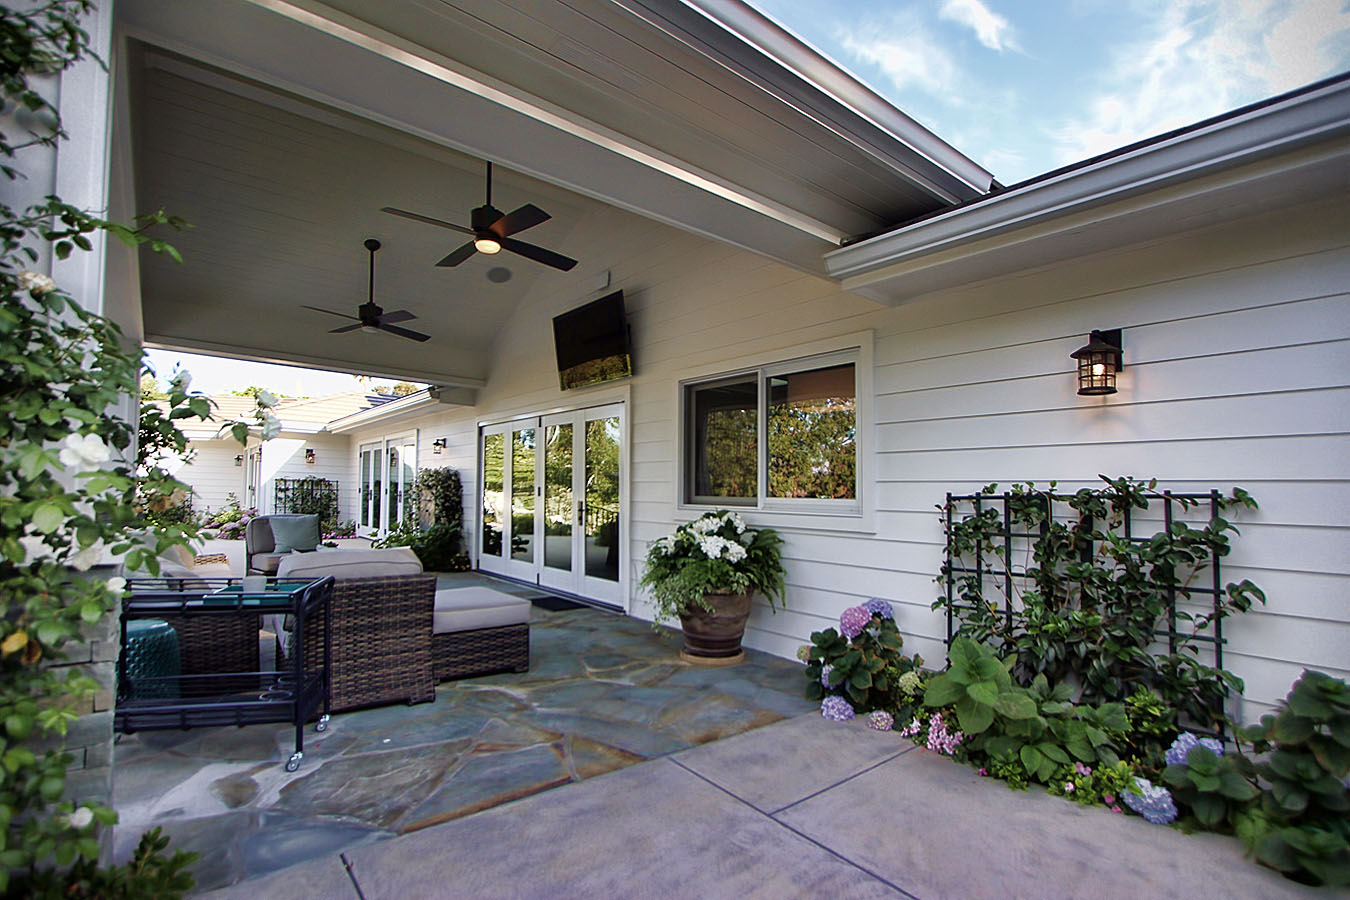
[(558, 497), (602, 498), (724, 446), (365, 488), (494, 462), (392, 505), (522, 494), (812, 434)]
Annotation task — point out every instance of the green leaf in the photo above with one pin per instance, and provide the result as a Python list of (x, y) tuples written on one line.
[(1205, 783), (963, 653), (862, 679), (1031, 758), (1051, 751), (1209, 809), (1290, 797), (943, 691), (974, 717), (48, 517), (1015, 705), (1292, 729), (983, 692)]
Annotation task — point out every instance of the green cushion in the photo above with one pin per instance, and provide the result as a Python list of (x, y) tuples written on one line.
[(295, 533)]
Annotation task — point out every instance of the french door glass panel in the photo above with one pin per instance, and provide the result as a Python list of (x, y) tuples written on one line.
[(559, 499), (556, 498), (602, 498)]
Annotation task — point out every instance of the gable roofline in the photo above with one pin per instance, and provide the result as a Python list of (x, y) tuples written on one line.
[(884, 267)]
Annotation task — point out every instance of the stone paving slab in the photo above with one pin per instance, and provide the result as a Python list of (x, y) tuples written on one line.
[(654, 830), (319, 879), (937, 830), (783, 763)]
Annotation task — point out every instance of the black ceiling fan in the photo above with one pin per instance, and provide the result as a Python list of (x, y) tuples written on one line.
[(372, 318), (491, 232)]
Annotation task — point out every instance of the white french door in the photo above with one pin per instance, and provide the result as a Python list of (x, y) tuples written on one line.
[(551, 499), (388, 470)]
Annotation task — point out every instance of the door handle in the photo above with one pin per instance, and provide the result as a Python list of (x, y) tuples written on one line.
[(581, 512)]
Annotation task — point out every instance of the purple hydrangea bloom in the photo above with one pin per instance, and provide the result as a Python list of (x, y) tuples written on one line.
[(825, 671), (878, 607), (1181, 748), (836, 709), (853, 620), (880, 720), (1153, 803)]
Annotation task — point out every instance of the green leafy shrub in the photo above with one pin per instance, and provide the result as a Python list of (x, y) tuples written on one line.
[(1305, 802), (1089, 601), (715, 553), (868, 669)]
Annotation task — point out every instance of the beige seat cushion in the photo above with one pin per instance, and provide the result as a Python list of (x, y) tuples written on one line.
[(342, 564), (467, 609)]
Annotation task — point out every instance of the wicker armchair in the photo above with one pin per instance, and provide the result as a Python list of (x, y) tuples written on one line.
[(381, 636)]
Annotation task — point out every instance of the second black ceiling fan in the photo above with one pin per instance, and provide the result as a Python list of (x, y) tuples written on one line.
[(491, 230)]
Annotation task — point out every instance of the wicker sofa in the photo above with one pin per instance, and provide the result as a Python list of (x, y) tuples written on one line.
[(381, 632)]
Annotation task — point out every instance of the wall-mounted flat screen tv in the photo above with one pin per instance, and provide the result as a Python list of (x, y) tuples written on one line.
[(592, 343)]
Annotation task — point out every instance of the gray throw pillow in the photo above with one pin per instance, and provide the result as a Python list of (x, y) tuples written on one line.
[(295, 533)]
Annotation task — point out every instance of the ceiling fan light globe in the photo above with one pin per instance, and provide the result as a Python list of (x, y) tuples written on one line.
[(487, 245), (369, 329)]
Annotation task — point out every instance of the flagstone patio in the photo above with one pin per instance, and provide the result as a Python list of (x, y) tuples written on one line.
[(603, 692)]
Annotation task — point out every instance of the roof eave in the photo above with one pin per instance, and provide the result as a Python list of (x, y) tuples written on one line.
[(880, 267)]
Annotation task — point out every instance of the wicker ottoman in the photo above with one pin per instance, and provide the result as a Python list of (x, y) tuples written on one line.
[(478, 631)]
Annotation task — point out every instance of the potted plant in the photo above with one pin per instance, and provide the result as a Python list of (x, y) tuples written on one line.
[(705, 573)]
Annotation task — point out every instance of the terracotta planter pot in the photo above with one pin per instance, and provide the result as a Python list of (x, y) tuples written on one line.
[(717, 634)]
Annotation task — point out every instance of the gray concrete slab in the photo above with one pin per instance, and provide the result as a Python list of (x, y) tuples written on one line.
[(783, 763), (654, 830), (938, 830), (318, 879)]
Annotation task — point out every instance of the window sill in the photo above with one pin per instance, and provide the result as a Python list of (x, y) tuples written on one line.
[(854, 521)]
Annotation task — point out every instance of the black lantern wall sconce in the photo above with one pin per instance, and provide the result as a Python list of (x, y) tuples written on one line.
[(437, 446), (1098, 362), (309, 456), (239, 459)]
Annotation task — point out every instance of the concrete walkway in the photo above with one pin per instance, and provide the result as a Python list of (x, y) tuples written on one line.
[(801, 808)]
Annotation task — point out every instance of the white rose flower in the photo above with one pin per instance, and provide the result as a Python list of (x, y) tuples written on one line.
[(180, 380), (81, 817), (271, 427), (117, 584), (267, 399), (36, 283), (87, 558), (83, 451)]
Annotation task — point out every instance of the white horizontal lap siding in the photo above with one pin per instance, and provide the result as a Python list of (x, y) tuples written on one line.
[(212, 474), (284, 457)]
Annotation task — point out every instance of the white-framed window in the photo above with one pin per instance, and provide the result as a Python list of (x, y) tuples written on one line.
[(784, 436)]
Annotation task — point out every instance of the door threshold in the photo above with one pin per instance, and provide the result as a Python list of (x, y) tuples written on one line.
[(553, 592)]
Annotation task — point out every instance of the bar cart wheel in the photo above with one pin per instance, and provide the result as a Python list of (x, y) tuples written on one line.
[(294, 762), (322, 724)]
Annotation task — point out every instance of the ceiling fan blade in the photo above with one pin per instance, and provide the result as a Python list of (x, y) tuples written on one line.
[(400, 315), (345, 328), (539, 254), (459, 255), (404, 332), (329, 311), (527, 216), (418, 217)]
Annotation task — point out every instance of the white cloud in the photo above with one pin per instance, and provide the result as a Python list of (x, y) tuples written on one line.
[(992, 30), (1202, 58), (906, 54)]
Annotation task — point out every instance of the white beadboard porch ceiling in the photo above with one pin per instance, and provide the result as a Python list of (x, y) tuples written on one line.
[(280, 127)]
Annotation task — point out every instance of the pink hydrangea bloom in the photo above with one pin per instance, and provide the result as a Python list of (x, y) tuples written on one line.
[(853, 620)]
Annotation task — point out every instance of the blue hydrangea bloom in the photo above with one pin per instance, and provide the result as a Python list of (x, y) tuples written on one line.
[(825, 671), (878, 607), (836, 709), (1152, 802), (1181, 748)]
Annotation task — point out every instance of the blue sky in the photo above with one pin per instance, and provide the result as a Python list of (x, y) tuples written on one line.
[(1025, 86), (1020, 86)]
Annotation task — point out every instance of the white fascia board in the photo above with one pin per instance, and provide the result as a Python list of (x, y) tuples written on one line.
[(778, 62), (1262, 134), (413, 404)]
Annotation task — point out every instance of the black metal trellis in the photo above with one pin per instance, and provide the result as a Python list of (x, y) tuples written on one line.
[(301, 495), (1015, 540)]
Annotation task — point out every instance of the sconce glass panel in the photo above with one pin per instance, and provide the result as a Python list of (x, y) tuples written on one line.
[(1098, 363)]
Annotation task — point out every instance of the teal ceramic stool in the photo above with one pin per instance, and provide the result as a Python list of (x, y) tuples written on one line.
[(151, 651)]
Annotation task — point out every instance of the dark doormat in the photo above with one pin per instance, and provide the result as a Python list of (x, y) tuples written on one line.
[(555, 604)]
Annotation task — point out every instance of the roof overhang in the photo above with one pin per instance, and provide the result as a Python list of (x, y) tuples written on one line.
[(411, 406), (1275, 155)]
